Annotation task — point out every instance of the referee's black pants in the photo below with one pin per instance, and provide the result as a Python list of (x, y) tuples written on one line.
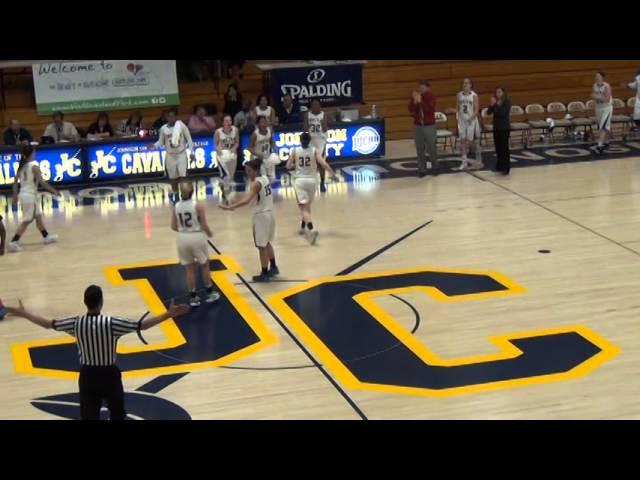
[(98, 384)]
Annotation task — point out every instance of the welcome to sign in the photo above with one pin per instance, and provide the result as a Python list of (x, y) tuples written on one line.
[(95, 85)]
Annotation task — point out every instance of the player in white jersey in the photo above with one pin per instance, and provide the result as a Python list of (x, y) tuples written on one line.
[(467, 110), (603, 109), (175, 138), (189, 219), (261, 146), (226, 140), (263, 109), (264, 222), (28, 177), (306, 159), (635, 85), (315, 123)]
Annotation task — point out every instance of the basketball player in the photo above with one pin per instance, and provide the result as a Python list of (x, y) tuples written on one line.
[(264, 223), (175, 138), (467, 110), (263, 109), (636, 108), (227, 139), (189, 219), (315, 123), (262, 146), (3, 236), (306, 159), (28, 178), (603, 109)]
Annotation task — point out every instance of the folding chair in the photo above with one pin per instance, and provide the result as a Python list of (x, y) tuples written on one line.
[(443, 133), (582, 125), (536, 115), (621, 119), (520, 125), (558, 112), (487, 125)]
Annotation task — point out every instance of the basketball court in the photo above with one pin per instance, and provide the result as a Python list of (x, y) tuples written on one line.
[(462, 296)]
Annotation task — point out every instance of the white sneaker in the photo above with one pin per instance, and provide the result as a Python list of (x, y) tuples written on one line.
[(212, 297), (51, 238), (194, 301), (313, 236), (14, 247)]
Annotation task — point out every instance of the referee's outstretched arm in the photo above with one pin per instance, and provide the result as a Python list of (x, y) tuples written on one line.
[(173, 311), (20, 311)]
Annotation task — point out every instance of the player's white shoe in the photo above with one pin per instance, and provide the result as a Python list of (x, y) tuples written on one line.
[(194, 301), (463, 166), (212, 297), (51, 238), (14, 247), (313, 236)]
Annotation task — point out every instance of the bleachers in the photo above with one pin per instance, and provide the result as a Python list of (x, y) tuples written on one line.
[(387, 84)]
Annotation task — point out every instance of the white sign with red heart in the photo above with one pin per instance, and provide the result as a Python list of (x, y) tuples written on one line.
[(104, 85)]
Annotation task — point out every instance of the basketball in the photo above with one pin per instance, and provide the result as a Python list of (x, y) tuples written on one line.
[(273, 159)]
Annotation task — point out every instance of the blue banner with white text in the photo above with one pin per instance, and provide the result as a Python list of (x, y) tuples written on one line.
[(333, 85), (123, 159), (59, 165)]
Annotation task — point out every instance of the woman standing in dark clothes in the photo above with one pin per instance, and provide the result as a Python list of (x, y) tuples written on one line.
[(501, 110), (232, 100)]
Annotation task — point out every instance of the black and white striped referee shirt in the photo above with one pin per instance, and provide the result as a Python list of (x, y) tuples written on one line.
[(96, 336)]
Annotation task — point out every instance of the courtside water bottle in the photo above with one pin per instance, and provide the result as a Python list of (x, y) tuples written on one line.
[(373, 111)]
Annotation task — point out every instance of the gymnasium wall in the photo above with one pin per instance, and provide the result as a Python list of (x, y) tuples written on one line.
[(387, 84)]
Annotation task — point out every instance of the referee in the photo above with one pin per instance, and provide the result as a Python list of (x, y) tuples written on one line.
[(97, 336)]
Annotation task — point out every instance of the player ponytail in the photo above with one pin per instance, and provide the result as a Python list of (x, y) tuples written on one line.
[(186, 190), (25, 157), (305, 140), (254, 164)]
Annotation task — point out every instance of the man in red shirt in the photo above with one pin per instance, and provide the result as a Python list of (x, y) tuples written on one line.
[(423, 108)]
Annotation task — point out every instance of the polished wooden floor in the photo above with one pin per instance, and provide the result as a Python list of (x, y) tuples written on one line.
[(586, 214)]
